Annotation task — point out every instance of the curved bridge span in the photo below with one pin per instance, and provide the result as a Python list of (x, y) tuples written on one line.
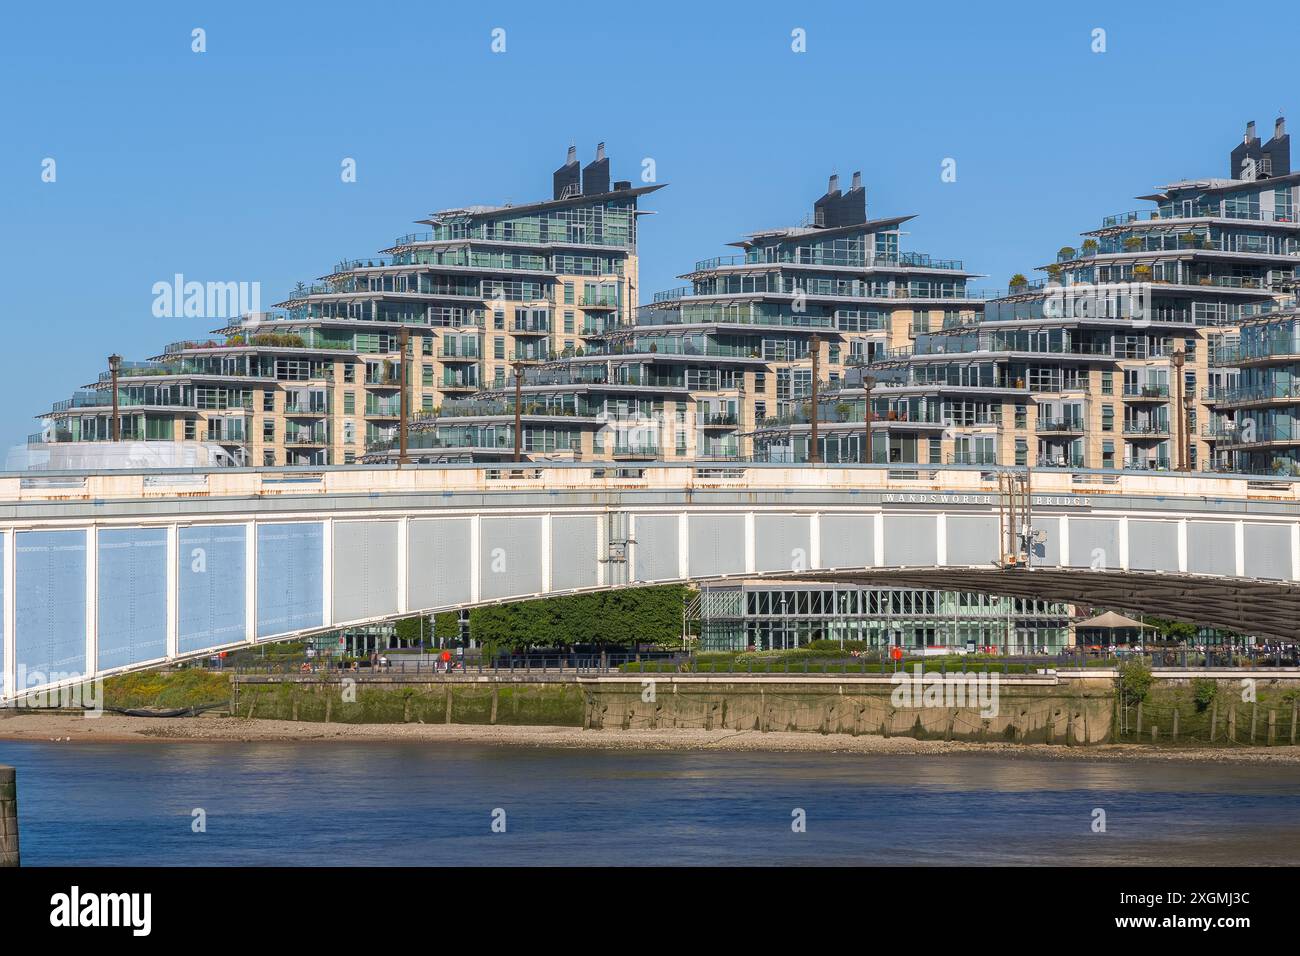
[(115, 572)]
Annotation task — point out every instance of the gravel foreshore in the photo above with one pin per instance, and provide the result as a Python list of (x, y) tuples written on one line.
[(114, 728)]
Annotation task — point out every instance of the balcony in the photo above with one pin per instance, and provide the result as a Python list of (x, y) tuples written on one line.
[(590, 301), (973, 458), (1143, 430), (719, 420), (1140, 393), (1146, 464), (1063, 426)]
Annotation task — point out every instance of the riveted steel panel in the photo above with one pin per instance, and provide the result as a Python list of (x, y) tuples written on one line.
[(1267, 551), (365, 570), (972, 540), (439, 572), (1211, 547), (911, 541), (50, 606), (132, 596), (848, 540), (290, 577), (1152, 545), (655, 552), (574, 559), (510, 558), (782, 543), (1094, 543), (211, 581), (717, 545)]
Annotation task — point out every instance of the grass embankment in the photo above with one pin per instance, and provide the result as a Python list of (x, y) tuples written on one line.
[(552, 704), (163, 690), (822, 661)]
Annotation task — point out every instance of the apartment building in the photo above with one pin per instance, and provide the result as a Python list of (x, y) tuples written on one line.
[(707, 370), (319, 380), (1108, 361)]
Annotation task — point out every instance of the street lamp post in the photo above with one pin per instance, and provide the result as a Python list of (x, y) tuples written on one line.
[(114, 364), (403, 338), (518, 366), (815, 345)]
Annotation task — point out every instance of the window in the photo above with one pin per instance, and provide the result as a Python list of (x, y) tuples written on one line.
[(426, 376), (1108, 383), (349, 373), (426, 403), (1108, 418), (1021, 421), (268, 459), (426, 345), (568, 321), (568, 293), (498, 318), (349, 403), (268, 401), (190, 430), (499, 347), (268, 430)]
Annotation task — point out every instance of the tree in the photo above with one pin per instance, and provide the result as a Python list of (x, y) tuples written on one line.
[(646, 614), (408, 630)]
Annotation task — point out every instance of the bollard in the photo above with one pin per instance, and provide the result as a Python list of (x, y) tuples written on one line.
[(8, 816)]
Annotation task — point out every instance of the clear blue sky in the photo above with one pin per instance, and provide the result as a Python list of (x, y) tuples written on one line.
[(225, 165)]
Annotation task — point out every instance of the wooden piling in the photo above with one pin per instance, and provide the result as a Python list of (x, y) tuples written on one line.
[(8, 816)]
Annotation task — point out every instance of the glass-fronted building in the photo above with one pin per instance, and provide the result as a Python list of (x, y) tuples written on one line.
[(771, 615)]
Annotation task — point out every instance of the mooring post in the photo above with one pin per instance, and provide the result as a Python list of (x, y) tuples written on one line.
[(8, 816)]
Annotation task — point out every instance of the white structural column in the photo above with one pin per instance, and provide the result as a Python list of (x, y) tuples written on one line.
[(815, 540), (941, 539), (173, 591), (683, 546), (546, 553), (1063, 545), (9, 668), (92, 600), (602, 549), (475, 558), (403, 554), (1239, 548), (751, 561), (327, 578), (1182, 546), (250, 581), (1295, 553), (878, 549), (1123, 542)]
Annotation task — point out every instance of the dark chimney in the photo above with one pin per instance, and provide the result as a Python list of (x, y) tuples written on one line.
[(824, 209), (1277, 151), (565, 180), (837, 209), (595, 175), (853, 204), (1246, 156)]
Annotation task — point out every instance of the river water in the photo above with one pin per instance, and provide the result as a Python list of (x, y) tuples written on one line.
[(433, 804)]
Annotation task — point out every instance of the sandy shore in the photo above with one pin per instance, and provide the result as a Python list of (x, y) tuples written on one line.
[(112, 728)]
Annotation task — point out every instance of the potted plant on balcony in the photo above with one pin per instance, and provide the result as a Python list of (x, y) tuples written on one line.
[(1018, 283), (1142, 273), (1133, 242), (1065, 253), (1054, 271), (1089, 246)]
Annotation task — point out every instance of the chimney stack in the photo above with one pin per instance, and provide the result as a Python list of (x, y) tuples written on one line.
[(834, 186), (1279, 127), (564, 181), (857, 180), (595, 175), (1250, 131)]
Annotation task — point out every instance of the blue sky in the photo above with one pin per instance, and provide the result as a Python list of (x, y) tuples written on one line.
[(225, 165)]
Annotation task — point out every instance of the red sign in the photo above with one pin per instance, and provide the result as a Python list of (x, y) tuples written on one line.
[(896, 653), (446, 655)]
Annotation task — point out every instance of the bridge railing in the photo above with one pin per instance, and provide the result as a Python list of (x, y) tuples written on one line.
[(876, 661), (72, 486)]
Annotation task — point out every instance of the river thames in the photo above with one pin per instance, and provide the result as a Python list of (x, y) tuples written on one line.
[(393, 803)]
